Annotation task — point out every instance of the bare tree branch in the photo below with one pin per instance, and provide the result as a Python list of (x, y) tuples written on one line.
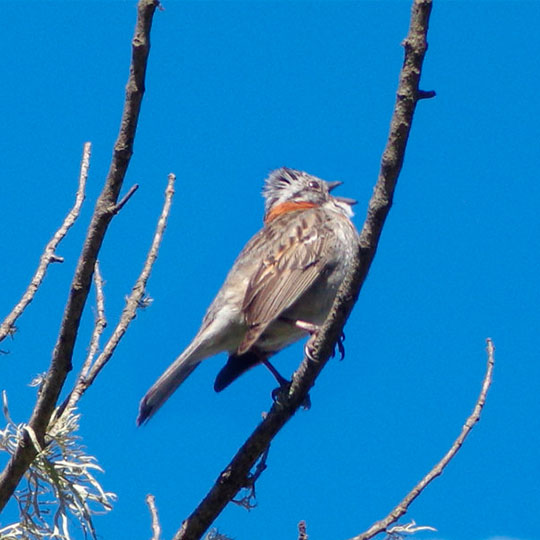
[(126, 198), (8, 325), (302, 531), (133, 301), (249, 500), (403, 506), (237, 472), (103, 213), (156, 529), (399, 531), (99, 325)]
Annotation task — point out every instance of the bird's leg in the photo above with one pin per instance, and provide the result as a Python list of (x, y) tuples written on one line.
[(282, 381), (307, 326), (284, 384)]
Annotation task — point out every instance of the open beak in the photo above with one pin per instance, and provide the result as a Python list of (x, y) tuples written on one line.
[(333, 185), (346, 200)]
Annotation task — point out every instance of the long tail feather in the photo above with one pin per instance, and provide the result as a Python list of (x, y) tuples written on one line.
[(164, 387)]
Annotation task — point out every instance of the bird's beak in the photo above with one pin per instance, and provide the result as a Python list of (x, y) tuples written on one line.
[(346, 200), (333, 185)]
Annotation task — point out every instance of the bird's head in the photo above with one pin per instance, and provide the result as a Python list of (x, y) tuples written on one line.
[(292, 187)]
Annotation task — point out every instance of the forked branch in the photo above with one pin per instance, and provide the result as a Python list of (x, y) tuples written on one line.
[(104, 211), (92, 368)]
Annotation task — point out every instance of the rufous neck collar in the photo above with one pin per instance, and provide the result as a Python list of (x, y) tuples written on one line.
[(285, 208)]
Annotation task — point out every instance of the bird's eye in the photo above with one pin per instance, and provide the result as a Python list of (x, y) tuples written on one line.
[(314, 184)]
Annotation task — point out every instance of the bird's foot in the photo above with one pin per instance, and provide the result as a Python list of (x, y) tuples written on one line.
[(340, 347), (306, 404), (284, 384), (308, 348), (283, 390), (312, 329)]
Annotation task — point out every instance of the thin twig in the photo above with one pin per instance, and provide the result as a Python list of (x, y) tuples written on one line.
[(398, 532), (133, 301), (231, 480), (249, 500), (99, 325), (302, 531), (156, 528), (8, 325), (80, 286), (403, 506), (125, 198)]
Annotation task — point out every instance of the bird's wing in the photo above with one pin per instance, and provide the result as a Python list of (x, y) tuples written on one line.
[(291, 265)]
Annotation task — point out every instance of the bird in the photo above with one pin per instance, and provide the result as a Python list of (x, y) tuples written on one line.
[(280, 288)]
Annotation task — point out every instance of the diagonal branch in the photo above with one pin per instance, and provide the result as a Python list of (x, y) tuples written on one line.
[(156, 528), (237, 472), (99, 325), (103, 213), (403, 506), (8, 325), (91, 370)]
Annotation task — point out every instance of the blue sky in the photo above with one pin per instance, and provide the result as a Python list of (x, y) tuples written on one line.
[(234, 90)]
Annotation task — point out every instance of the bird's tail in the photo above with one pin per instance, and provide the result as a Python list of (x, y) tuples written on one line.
[(163, 388)]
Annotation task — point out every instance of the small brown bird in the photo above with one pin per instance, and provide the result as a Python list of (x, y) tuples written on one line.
[(281, 286)]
